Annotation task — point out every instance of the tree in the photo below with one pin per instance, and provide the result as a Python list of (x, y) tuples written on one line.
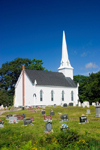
[(10, 71), (83, 81), (89, 87)]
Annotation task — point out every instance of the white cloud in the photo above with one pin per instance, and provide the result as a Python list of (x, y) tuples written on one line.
[(85, 54), (91, 65)]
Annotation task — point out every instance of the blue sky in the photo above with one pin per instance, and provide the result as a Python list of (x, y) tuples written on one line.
[(34, 28)]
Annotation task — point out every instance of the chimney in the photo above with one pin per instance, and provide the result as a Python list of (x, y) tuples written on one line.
[(23, 85)]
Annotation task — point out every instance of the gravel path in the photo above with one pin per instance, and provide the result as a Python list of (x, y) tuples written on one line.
[(13, 109)]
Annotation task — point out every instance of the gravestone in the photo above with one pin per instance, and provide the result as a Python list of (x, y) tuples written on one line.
[(7, 116), (83, 119), (97, 111), (32, 119), (70, 104), (19, 117), (64, 118), (79, 104), (54, 105), (43, 112), (12, 119), (86, 103), (30, 108), (88, 111), (48, 126), (43, 107), (47, 117), (74, 103), (2, 107), (23, 115), (97, 103), (64, 105), (38, 107), (23, 108), (93, 104), (52, 113), (1, 124), (83, 105), (27, 121)]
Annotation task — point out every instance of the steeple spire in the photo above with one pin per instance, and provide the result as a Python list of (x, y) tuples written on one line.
[(65, 66), (64, 61)]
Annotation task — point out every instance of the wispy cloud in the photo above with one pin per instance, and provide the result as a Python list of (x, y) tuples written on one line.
[(85, 54), (91, 65)]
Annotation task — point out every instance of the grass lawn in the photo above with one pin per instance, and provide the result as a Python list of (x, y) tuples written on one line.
[(15, 136)]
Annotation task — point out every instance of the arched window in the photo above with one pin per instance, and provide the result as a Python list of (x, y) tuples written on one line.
[(52, 95), (62, 95), (72, 96), (41, 95)]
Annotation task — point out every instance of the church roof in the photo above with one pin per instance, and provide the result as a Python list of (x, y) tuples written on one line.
[(49, 78)]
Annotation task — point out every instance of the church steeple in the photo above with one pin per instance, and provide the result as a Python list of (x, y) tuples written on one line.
[(65, 66)]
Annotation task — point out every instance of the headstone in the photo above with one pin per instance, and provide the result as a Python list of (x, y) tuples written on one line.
[(97, 111), (27, 121), (79, 104), (30, 108), (83, 105), (83, 119), (7, 116), (64, 118), (43, 107), (19, 117), (64, 127), (93, 104), (1, 124), (23, 115), (52, 112), (47, 117), (38, 107), (74, 103), (97, 103), (88, 111), (32, 119), (48, 126), (86, 103), (54, 105), (2, 107), (23, 108), (6, 107), (12, 119), (43, 112), (88, 106), (64, 105), (70, 104)]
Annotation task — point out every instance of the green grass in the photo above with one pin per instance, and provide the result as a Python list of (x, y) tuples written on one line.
[(15, 136)]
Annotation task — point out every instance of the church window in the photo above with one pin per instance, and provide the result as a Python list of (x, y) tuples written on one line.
[(41, 95), (52, 93), (72, 98), (62, 95)]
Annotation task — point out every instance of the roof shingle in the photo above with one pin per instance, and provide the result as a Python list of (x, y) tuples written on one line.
[(49, 78)]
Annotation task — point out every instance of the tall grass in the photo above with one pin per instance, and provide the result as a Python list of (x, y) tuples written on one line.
[(79, 136)]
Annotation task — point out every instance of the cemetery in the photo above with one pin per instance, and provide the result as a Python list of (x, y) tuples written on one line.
[(23, 128)]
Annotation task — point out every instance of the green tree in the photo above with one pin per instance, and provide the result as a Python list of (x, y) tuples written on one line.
[(83, 81), (10, 71)]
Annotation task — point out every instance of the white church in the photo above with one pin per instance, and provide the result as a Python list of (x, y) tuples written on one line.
[(39, 88)]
